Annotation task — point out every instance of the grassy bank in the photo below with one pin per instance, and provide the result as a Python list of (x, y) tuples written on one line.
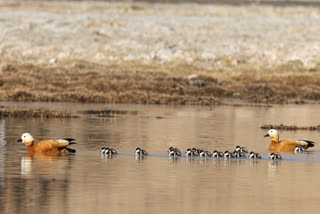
[(161, 84), (158, 53)]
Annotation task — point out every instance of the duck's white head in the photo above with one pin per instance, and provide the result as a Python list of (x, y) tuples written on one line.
[(273, 134), (27, 139)]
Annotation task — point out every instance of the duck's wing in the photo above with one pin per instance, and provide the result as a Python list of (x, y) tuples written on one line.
[(306, 143), (65, 142), (289, 145), (60, 143)]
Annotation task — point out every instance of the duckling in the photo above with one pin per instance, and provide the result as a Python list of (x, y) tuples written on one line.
[(254, 155), (205, 154), (228, 155), (299, 149), (258, 156), (170, 149), (244, 150), (199, 151), (274, 156), (175, 153), (195, 151), (239, 154), (103, 149), (140, 152), (217, 154), (114, 152), (241, 149), (190, 153), (110, 151), (174, 149)]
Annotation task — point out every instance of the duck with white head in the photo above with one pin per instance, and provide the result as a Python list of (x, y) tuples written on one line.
[(277, 145), (59, 145)]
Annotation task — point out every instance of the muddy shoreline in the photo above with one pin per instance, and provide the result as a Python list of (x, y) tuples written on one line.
[(93, 52)]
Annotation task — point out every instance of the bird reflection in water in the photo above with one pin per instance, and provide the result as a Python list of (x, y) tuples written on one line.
[(43, 161), (273, 168)]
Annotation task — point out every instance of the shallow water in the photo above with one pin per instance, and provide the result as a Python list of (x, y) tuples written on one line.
[(85, 182)]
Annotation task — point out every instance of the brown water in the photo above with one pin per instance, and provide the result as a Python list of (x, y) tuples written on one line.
[(86, 183)]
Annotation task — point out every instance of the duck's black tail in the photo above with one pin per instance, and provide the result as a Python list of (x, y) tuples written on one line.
[(70, 140)]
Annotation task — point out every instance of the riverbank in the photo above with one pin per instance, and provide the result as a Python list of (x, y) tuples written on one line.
[(158, 53)]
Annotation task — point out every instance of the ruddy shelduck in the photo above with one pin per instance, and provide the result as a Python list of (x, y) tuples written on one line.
[(286, 145), (59, 145)]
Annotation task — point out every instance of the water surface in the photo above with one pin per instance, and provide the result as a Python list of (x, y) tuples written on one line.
[(85, 182)]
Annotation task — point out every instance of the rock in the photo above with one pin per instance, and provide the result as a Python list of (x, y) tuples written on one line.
[(53, 60)]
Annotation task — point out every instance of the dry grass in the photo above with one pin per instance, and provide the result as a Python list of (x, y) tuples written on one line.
[(161, 84), (28, 113), (127, 53), (291, 127)]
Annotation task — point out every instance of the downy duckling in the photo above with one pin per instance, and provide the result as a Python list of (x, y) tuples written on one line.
[(239, 154), (195, 152), (274, 156), (299, 149), (228, 155), (217, 154), (173, 149), (103, 149), (241, 149), (175, 153), (170, 149), (140, 152), (205, 154), (110, 151), (190, 153), (254, 155)]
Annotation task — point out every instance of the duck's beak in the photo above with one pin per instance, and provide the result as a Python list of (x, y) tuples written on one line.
[(19, 140), (267, 135)]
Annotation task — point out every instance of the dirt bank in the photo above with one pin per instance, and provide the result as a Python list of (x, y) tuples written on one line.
[(158, 53)]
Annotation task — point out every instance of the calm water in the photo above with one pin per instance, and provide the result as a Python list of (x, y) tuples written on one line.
[(86, 183)]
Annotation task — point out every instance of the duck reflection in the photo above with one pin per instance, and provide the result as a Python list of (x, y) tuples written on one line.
[(173, 159), (44, 162)]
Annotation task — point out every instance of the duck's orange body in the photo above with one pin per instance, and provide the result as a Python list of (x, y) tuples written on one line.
[(60, 145), (48, 146), (285, 145)]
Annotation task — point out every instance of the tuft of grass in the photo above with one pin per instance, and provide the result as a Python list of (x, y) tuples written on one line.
[(28, 113), (291, 127)]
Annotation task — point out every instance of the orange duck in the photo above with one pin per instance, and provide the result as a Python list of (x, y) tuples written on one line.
[(60, 145), (286, 145)]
